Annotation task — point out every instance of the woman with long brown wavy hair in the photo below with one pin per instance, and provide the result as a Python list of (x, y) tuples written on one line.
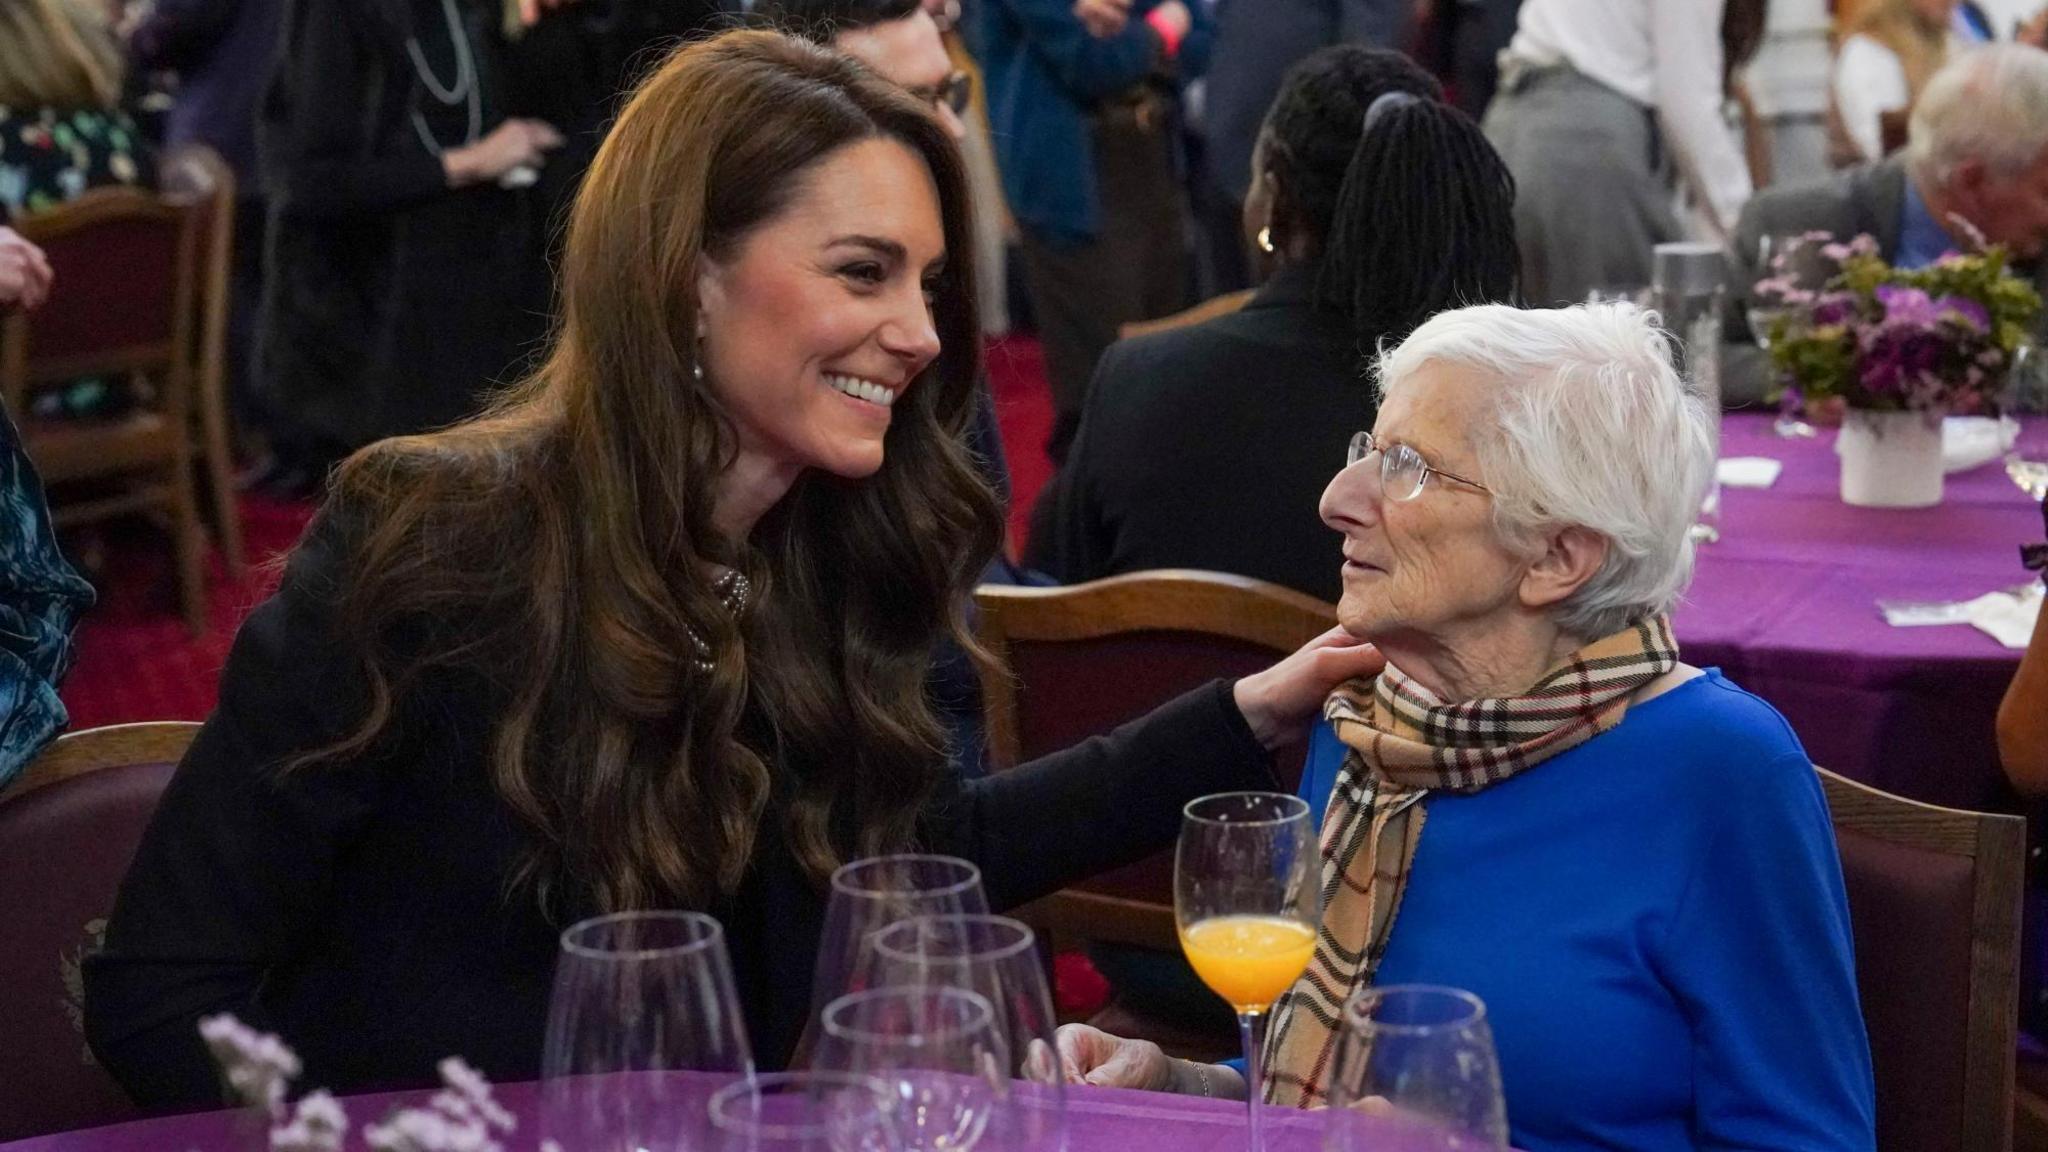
[(651, 633)]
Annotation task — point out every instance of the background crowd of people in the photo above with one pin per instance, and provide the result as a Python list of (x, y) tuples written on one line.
[(634, 349)]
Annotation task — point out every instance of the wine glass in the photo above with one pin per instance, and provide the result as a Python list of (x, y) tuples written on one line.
[(638, 998), (1417, 1058), (1244, 896), (804, 1112), (938, 1050), (1776, 256), (869, 895), (996, 957)]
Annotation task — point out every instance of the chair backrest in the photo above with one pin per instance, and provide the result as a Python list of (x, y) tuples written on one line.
[(1084, 659), (1205, 311), (121, 300), (68, 831), (1934, 903)]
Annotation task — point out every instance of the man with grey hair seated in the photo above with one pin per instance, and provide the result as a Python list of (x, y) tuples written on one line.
[(1975, 166)]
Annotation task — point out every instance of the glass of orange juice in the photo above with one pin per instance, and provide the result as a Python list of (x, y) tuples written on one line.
[(1245, 897)]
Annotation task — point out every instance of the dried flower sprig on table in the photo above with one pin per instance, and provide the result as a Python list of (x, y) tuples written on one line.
[(259, 1068)]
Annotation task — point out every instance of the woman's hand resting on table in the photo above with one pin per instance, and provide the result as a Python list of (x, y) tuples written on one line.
[(1094, 1057), (1279, 703)]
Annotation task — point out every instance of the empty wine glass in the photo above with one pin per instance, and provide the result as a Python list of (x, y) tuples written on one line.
[(997, 958), (804, 1112), (938, 1050), (1419, 1059), (1244, 895), (638, 998), (869, 895)]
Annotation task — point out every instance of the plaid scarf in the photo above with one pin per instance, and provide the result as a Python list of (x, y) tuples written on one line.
[(1405, 743)]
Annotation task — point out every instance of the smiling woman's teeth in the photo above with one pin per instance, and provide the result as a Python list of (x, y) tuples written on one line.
[(860, 389)]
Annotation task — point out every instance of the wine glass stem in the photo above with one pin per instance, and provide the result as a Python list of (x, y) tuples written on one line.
[(1254, 1077)]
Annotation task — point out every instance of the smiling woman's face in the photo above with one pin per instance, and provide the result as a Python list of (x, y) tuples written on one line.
[(819, 321), (1425, 567)]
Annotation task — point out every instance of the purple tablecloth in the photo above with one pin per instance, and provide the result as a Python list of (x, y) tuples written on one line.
[(1786, 604), (1098, 1120)]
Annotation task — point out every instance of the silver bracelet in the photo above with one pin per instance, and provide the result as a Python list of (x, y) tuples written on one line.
[(1202, 1075)]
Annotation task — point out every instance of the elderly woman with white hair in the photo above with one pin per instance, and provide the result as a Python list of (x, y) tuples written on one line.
[(1627, 859)]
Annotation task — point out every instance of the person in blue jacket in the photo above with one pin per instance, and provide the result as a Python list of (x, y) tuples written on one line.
[(1629, 860), (1082, 98)]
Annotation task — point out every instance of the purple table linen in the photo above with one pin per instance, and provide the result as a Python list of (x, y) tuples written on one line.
[(1785, 603), (1098, 1120)]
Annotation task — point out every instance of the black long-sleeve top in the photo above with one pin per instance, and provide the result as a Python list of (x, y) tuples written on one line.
[(361, 909)]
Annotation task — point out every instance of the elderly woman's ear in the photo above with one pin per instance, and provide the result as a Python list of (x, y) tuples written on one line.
[(1570, 557)]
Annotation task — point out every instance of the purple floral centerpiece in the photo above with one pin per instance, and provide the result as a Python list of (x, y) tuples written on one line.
[(1940, 339), (1890, 351)]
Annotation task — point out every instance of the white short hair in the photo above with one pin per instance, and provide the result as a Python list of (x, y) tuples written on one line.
[(1989, 104), (1591, 426)]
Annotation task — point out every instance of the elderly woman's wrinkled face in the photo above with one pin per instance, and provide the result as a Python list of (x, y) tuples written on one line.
[(1422, 567)]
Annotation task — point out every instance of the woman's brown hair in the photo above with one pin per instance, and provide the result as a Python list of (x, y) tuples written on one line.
[(561, 546), (56, 54)]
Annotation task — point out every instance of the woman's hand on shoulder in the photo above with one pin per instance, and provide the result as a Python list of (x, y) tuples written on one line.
[(1279, 703)]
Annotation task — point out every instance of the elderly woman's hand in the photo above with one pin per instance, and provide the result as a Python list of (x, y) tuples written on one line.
[(1279, 703), (1094, 1057)]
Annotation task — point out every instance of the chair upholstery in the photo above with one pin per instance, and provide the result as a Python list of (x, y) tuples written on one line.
[(196, 174), (1086, 658), (120, 305), (1934, 901), (67, 836)]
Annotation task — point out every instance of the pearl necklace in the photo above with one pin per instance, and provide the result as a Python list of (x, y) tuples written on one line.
[(734, 590)]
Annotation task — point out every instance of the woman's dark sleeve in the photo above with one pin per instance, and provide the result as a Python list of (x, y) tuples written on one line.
[(321, 118), (232, 876), (1103, 803)]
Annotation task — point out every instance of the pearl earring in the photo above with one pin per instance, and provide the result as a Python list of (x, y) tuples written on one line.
[(1266, 239)]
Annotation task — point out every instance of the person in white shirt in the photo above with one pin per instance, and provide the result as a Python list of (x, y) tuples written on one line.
[(1891, 51), (1604, 107)]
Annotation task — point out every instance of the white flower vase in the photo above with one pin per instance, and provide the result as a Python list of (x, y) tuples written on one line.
[(1890, 459)]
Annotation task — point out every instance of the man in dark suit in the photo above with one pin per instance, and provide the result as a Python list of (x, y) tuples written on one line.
[(1974, 171), (1257, 41)]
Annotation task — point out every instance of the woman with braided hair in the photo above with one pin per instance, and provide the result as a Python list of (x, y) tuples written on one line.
[(1627, 859), (1378, 206)]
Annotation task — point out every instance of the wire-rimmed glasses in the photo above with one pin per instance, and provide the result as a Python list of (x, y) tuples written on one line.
[(1403, 471)]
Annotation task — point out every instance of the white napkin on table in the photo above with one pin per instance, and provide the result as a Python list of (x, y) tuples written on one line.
[(2007, 617), (1748, 471)]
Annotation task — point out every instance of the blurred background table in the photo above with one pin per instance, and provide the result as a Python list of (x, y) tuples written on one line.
[(1786, 604)]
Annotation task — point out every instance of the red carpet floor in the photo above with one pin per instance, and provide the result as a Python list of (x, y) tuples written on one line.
[(135, 660)]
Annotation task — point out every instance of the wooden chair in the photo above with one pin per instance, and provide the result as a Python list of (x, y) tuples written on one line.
[(1207, 310), (69, 828), (196, 174), (1086, 658), (121, 305), (1934, 904)]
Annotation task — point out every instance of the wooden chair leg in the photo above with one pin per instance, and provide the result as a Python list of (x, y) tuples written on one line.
[(189, 540), (213, 449)]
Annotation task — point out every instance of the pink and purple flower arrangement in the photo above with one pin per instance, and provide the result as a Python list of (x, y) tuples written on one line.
[(1862, 334)]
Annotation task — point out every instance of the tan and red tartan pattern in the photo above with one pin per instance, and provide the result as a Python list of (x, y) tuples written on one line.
[(1404, 744)]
